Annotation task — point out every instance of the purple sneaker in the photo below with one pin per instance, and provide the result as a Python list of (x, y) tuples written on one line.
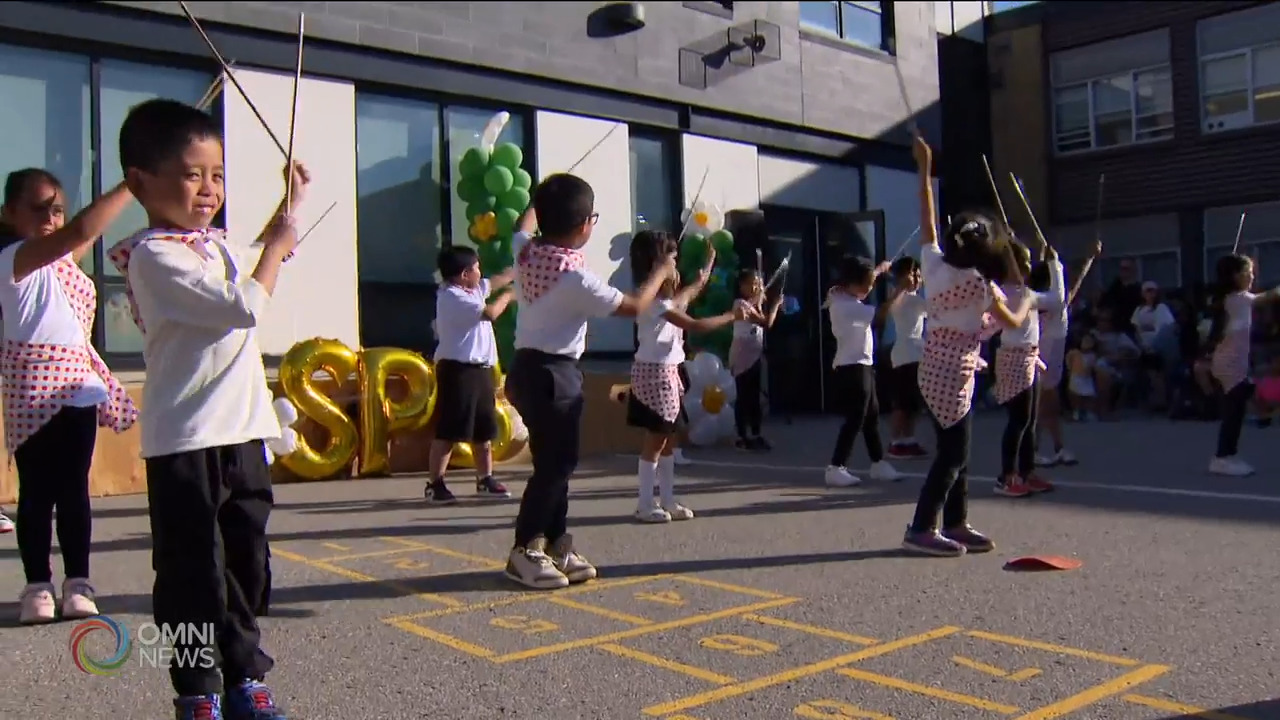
[(972, 540), (930, 542), (251, 700), (197, 707)]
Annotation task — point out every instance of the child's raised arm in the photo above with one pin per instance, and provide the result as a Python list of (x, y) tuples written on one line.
[(300, 178), (928, 209), (1084, 272), (691, 291), (633, 305), (75, 237)]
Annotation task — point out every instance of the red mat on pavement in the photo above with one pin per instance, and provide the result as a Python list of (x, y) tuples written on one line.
[(1040, 563)]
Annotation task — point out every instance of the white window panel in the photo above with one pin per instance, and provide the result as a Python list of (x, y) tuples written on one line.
[(860, 23), (1240, 88), (1122, 109)]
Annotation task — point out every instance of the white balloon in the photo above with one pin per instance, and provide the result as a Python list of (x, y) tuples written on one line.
[(285, 411), (727, 425), (289, 441), (706, 368), (728, 386), (519, 432), (493, 129), (271, 458), (705, 432), (693, 407)]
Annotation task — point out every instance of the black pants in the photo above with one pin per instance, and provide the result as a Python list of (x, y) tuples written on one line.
[(209, 511), (946, 487), (747, 412), (856, 385), (1234, 406), (1018, 446), (547, 392), (53, 472)]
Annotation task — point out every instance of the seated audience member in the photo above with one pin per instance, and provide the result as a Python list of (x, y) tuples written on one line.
[(1118, 357)]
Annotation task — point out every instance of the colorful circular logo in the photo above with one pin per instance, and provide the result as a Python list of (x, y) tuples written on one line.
[(107, 666)]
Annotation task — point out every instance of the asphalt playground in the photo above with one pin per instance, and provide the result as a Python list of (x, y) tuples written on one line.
[(782, 599)]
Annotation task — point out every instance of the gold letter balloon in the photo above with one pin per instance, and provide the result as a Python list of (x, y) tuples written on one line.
[(379, 416), (297, 371)]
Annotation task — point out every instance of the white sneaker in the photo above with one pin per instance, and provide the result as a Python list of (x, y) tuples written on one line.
[(840, 477), (1046, 461), (77, 599), (652, 514), (884, 472), (1230, 466), (532, 567), (569, 561), (678, 457), (6, 525), (678, 512), (38, 604), (1065, 457)]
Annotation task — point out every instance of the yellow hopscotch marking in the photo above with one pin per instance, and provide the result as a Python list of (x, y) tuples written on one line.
[(1025, 674), (729, 587), (373, 554), (647, 629), (443, 639), (750, 686), (811, 629), (361, 577), (335, 546), (602, 612), (661, 662), (477, 559), (532, 596), (1098, 693), (1177, 707), (1049, 647), (979, 666), (940, 694)]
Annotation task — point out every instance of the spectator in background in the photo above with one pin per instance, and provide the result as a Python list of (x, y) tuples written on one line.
[(1123, 296), (1156, 332), (1117, 361)]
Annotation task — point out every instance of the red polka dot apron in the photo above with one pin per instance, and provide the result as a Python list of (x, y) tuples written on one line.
[(40, 378), (1230, 361), (540, 266), (120, 253), (1016, 368), (658, 387), (952, 357)]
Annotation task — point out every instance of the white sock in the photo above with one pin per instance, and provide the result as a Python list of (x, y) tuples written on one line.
[(648, 475), (667, 480)]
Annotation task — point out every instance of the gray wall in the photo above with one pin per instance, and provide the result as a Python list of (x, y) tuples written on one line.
[(816, 84)]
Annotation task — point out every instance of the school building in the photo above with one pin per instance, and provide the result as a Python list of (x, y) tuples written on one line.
[(1177, 103), (794, 111)]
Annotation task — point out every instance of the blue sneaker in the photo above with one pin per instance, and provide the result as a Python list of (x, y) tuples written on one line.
[(251, 700), (198, 707)]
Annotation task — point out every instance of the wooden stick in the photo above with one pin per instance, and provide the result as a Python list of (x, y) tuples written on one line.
[(231, 76), (689, 220), (594, 147), (994, 190), (1239, 232), (907, 242), (1097, 219), (293, 117), (1027, 206)]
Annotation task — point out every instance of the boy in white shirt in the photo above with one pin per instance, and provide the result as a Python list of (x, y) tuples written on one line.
[(558, 294), (852, 323), (206, 405), (466, 355), (654, 404), (908, 309)]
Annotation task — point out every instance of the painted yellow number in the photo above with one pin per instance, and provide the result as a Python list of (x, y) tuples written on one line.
[(666, 598), (526, 625), (408, 564), (680, 717), (836, 710), (738, 645)]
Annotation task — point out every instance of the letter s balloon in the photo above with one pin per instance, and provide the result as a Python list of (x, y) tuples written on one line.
[(296, 370), (379, 415)]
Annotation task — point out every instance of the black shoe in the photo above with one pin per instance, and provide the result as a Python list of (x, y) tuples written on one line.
[(437, 493), (488, 487), (759, 443)]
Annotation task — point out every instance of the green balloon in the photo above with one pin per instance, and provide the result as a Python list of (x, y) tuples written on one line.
[(722, 241), (516, 198), (521, 179), (471, 189), (498, 180), (479, 207), (474, 162), (507, 155), (507, 219)]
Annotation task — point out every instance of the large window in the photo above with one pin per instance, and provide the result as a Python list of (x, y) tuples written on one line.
[(1240, 68), (869, 24), (654, 195), (1115, 93), (407, 155), (53, 103)]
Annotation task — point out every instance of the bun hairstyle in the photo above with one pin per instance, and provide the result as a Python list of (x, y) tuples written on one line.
[(975, 240), (855, 270), (648, 247), (1226, 281), (903, 266)]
